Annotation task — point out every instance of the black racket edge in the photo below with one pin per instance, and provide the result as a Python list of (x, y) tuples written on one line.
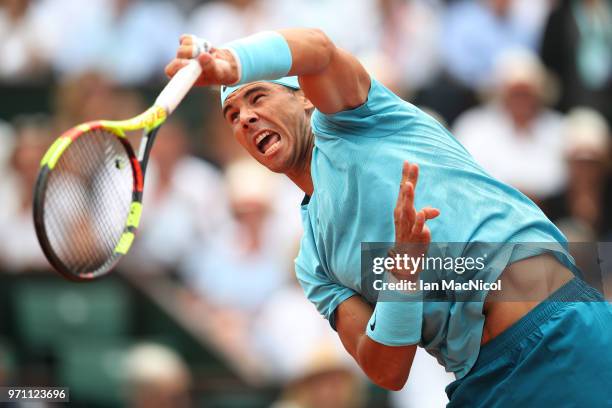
[(39, 212)]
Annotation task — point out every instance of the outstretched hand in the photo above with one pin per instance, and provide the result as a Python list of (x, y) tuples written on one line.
[(218, 65), (410, 224)]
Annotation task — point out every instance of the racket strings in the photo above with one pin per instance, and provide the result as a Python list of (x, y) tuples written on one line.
[(69, 190), (83, 206), (71, 219), (102, 197), (68, 226), (87, 201)]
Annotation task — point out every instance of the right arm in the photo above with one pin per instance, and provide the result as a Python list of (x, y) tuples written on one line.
[(331, 78)]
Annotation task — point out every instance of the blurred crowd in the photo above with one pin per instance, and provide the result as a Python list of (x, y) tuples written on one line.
[(526, 86)]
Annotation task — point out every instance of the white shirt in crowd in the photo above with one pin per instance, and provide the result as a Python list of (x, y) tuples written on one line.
[(530, 160)]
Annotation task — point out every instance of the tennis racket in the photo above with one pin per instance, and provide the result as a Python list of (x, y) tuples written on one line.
[(88, 195)]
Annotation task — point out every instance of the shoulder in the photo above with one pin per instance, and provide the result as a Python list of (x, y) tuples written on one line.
[(379, 106)]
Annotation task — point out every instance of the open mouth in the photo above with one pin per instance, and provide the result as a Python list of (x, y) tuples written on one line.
[(268, 142)]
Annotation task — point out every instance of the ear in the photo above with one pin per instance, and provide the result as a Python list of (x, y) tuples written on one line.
[(307, 105)]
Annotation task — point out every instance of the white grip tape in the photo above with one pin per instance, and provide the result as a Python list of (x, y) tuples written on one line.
[(200, 46), (178, 86)]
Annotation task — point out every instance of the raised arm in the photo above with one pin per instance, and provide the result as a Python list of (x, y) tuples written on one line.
[(331, 78)]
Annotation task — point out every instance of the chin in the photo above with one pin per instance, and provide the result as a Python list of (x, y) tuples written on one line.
[(275, 168)]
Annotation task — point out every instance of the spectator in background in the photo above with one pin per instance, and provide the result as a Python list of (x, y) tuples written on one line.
[(583, 209), (128, 40), (477, 32), (28, 39), (6, 147), (404, 46), (350, 24), (19, 249), (474, 34), (235, 271), (325, 383), (245, 262), (156, 377), (184, 202), (577, 47), (222, 21), (87, 96), (514, 136)]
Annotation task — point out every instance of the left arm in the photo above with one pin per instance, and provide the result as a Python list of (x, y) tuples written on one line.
[(389, 366), (386, 366)]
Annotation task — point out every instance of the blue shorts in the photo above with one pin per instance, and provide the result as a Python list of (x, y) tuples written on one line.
[(558, 355)]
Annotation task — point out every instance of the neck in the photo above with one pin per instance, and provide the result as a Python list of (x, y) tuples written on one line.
[(301, 176), (300, 170)]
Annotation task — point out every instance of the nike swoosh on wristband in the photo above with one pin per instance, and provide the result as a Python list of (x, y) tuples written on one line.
[(373, 324)]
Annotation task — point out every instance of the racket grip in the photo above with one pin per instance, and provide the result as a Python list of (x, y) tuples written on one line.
[(179, 85)]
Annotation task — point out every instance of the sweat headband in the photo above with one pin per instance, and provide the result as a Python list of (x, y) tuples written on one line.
[(289, 82)]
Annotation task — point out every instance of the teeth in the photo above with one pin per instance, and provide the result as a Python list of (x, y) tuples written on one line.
[(272, 149), (262, 136)]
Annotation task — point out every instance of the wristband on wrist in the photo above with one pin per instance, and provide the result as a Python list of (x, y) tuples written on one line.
[(397, 317), (396, 323), (265, 55)]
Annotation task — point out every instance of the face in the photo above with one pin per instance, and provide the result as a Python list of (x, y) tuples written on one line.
[(272, 123), (522, 101)]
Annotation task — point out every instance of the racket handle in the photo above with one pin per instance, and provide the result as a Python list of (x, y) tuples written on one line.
[(178, 86)]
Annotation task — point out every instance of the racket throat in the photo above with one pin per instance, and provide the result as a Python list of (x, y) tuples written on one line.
[(144, 150)]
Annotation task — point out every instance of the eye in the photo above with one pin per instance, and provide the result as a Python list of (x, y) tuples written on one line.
[(257, 97), (233, 116)]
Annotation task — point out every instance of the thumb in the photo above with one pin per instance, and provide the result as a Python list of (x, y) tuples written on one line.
[(431, 213), (205, 59)]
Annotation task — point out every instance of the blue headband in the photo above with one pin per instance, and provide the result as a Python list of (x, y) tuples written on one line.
[(289, 82)]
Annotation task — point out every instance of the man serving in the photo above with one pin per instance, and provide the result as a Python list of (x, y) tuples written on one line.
[(303, 107)]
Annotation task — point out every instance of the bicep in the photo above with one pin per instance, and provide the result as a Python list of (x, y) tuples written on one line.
[(331, 78)]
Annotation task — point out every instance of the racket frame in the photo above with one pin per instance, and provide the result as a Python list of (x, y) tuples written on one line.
[(149, 121)]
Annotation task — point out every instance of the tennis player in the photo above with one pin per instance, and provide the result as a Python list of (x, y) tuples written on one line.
[(303, 107)]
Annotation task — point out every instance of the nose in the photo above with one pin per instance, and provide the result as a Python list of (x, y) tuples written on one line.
[(247, 118)]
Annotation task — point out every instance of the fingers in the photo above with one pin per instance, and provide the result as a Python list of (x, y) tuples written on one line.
[(405, 171), (193, 50), (430, 213), (210, 66), (413, 174), (404, 214), (408, 210), (174, 66), (410, 172), (410, 225), (419, 223), (186, 39), (185, 51), (427, 213)]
